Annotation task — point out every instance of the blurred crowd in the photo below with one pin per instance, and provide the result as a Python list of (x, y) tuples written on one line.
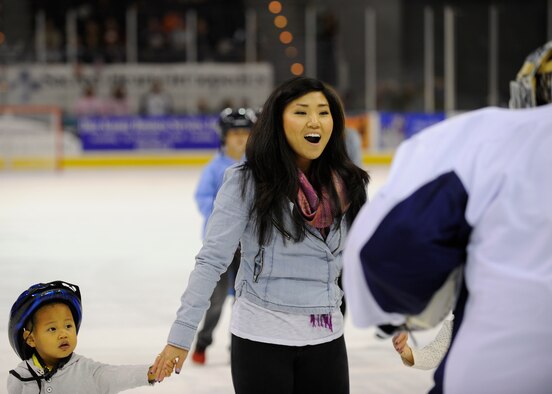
[(162, 33), (156, 101)]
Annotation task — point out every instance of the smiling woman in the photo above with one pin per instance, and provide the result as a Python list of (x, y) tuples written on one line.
[(289, 206), (308, 125)]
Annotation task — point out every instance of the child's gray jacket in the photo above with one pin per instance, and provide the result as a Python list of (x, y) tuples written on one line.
[(80, 375)]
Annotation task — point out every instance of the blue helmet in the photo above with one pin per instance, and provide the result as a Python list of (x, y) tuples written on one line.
[(31, 300)]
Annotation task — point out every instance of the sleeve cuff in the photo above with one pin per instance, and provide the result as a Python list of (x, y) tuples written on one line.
[(181, 335)]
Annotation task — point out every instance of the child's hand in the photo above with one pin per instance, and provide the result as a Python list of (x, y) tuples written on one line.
[(171, 358), (168, 368), (399, 341), (167, 371)]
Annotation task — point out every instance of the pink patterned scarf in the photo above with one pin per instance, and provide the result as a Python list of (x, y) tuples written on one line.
[(318, 212)]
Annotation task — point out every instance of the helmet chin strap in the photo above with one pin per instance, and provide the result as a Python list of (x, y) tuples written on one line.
[(37, 360)]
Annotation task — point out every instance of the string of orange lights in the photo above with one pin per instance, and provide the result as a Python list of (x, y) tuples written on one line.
[(285, 36)]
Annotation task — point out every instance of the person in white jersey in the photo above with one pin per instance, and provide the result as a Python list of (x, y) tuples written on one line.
[(289, 205), (469, 199)]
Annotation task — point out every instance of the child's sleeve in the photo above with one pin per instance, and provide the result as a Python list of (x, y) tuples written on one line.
[(430, 356), (206, 191), (115, 378)]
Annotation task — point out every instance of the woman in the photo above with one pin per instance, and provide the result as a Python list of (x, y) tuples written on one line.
[(290, 206)]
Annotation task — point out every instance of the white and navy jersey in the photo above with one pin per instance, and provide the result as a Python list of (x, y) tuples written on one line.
[(474, 192)]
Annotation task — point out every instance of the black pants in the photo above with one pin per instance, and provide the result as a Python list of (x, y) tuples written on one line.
[(275, 369)]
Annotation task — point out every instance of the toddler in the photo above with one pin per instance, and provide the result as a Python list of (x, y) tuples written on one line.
[(43, 327)]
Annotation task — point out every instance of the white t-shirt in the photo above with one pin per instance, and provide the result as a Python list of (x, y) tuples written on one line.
[(253, 322)]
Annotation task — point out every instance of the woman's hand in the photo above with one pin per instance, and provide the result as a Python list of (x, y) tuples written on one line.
[(171, 357)]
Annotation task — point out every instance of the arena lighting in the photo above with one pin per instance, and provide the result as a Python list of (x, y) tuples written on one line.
[(275, 7), (297, 69), (291, 51), (286, 37), (280, 21)]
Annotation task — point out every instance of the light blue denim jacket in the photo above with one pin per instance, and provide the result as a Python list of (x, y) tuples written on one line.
[(284, 276)]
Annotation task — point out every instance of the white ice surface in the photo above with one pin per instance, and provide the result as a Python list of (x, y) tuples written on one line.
[(128, 238)]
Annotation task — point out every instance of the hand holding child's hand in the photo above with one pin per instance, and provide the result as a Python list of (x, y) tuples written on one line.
[(167, 371), (170, 358)]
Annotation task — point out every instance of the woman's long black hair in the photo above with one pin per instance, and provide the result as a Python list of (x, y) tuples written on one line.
[(272, 163)]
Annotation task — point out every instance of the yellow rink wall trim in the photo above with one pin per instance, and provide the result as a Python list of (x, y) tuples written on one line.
[(27, 163), (378, 158), (134, 161), (152, 161), (32, 163)]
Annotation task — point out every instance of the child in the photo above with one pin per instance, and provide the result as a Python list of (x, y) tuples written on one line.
[(428, 357), (43, 327), (234, 128)]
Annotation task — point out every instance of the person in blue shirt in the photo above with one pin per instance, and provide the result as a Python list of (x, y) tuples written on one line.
[(353, 144), (234, 128)]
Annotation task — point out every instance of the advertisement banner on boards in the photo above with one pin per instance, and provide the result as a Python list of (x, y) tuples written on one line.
[(125, 133), (395, 127)]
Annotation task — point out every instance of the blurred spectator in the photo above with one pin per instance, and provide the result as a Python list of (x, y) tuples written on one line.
[(117, 104), (54, 43), (112, 38), (204, 45), (231, 48), (25, 85), (171, 20), (88, 104), (393, 95), (155, 41), (326, 44), (227, 102), (175, 27), (353, 144), (92, 42), (156, 102), (202, 106)]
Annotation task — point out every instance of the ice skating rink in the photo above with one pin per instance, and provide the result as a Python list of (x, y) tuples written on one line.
[(128, 238)]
